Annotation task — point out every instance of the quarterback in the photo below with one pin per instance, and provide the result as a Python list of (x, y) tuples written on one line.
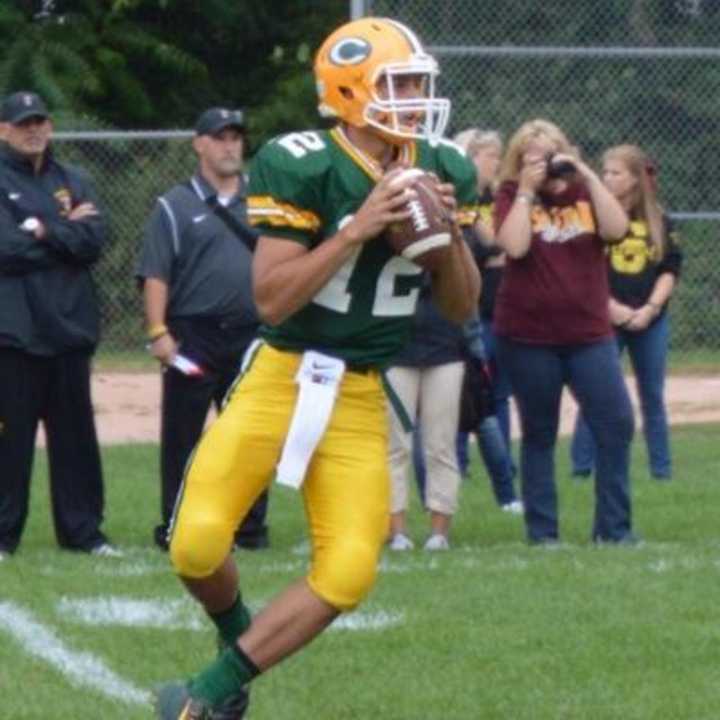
[(309, 406)]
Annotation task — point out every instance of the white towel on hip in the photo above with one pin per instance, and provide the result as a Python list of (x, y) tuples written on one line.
[(319, 378)]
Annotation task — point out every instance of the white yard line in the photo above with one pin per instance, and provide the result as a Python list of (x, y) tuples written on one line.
[(181, 614), (82, 669), (116, 611), (361, 620)]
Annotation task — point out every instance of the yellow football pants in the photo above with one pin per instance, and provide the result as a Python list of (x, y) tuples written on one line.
[(346, 489)]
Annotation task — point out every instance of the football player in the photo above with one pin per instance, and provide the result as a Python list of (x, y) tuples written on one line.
[(310, 404)]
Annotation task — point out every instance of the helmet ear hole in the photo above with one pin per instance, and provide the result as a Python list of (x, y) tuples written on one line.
[(347, 93)]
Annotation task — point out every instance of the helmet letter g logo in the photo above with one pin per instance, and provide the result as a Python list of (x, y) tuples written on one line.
[(349, 51)]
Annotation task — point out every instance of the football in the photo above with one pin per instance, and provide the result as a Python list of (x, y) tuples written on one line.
[(425, 236)]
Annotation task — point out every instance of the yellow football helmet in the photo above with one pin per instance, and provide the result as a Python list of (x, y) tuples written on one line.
[(359, 71)]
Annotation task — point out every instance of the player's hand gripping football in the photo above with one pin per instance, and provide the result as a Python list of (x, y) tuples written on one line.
[(446, 191), (386, 204)]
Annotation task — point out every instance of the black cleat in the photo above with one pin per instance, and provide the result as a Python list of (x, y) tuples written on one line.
[(175, 703)]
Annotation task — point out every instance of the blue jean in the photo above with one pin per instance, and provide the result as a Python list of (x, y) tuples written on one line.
[(418, 460), (495, 455), (593, 373), (501, 384), (493, 441), (481, 342), (648, 355)]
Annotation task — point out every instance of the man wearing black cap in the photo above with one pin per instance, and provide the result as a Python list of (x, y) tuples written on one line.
[(195, 271), (51, 234)]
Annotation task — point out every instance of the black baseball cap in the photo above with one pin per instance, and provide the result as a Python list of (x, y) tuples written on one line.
[(21, 105), (213, 120)]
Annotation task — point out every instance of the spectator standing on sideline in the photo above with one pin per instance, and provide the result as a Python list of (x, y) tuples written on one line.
[(484, 148), (197, 290), (337, 304), (643, 270), (427, 376), (554, 217), (51, 234)]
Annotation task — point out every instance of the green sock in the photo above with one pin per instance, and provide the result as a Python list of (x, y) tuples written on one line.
[(233, 622), (224, 677)]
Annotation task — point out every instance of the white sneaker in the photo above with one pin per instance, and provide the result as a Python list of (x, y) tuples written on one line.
[(4, 555), (107, 550), (515, 507), (401, 542), (437, 542)]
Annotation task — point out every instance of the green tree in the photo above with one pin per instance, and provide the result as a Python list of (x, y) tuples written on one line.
[(259, 56), (88, 58), (157, 63)]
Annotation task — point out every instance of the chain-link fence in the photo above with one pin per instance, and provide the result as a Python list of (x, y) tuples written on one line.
[(640, 71), (130, 169)]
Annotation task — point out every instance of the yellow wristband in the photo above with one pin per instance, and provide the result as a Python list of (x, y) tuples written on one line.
[(155, 332)]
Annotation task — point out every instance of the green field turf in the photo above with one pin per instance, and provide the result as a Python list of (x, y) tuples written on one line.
[(492, 630), (680, 362)]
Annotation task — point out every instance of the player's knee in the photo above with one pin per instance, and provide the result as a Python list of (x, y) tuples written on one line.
[(344, 575), (198, 549)]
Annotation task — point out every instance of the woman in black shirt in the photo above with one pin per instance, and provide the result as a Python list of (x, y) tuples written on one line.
[(643, 271)]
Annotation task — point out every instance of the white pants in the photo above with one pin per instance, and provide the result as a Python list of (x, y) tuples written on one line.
[(432, 397)]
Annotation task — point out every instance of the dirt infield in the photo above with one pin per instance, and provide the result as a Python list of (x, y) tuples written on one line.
[(127, 405)]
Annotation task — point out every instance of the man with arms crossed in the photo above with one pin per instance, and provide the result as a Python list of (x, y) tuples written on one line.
[(51, 236)]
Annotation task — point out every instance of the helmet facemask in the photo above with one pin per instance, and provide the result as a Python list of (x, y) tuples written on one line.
[(386, 113)]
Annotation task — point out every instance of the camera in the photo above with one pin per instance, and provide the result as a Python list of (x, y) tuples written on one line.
[(559, 169)]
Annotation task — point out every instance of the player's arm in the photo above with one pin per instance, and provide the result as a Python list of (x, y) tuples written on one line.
[(287, 275), (456, 284)]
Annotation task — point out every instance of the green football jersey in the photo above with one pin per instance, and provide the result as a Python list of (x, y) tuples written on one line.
[(304, 186)]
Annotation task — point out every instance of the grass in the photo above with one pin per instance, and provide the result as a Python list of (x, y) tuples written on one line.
[(124, 361), (693, 362), (493, 629), (680, 362)]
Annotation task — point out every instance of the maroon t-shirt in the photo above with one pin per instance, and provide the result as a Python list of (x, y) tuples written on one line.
[(557, 294)]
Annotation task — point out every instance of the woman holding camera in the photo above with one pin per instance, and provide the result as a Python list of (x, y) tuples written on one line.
[(643, 270), (554, 217)]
